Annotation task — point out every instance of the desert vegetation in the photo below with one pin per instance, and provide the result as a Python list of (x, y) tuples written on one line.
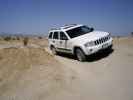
[(25, 41), (7, 38)]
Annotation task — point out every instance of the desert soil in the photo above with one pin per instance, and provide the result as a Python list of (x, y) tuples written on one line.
[(32, 73)]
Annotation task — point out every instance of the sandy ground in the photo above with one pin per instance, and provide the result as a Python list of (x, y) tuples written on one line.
[(30, 73), (108, 77)]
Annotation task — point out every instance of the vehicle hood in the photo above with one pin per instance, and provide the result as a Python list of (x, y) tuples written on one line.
[(91, 36)]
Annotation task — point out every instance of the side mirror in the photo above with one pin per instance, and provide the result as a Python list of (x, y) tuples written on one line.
[(91, 29)]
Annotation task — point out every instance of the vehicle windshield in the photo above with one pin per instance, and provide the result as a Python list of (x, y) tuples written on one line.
[(79, 31)]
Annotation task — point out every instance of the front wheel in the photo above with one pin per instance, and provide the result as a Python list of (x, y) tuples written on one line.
[(54, 52), (80, 55)]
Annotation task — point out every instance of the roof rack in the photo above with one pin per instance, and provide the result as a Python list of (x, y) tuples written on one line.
[(54, 28), (68, 26), (64, 27)]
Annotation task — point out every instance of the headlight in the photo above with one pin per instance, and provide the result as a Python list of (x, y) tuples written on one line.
[(109, 36), (91, 43)]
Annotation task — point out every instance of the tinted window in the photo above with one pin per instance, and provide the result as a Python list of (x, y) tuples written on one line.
[(63, 36), (55, 35), (79, 31), (50, 35)]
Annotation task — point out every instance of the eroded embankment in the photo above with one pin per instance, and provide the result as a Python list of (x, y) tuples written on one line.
[(29, 74)]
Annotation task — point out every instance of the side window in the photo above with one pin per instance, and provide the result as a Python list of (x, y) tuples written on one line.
[(63, 36), (55, 35), (50, 35)]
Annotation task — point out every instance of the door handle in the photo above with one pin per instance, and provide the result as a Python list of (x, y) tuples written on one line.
[(53, 41), (60, 42)]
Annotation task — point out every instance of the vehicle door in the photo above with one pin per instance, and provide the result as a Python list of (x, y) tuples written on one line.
[(63, 42), (55, 40), (50, 38)]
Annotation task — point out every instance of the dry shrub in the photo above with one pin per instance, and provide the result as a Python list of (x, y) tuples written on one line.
[(25, 41), (17, 38), (7, 38), (40, 37)]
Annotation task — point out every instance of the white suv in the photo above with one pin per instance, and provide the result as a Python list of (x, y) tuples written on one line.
[(78, 40)]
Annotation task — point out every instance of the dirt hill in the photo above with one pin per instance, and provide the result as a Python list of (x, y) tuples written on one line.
[(29, 74)]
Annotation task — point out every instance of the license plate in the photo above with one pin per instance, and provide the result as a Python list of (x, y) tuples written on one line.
[(105, 45)]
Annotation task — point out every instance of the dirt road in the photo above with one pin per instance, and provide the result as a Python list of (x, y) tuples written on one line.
[(108, 77), (33, 74)]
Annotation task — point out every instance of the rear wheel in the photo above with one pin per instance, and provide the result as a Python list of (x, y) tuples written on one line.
[(54, 52), (80, 55)]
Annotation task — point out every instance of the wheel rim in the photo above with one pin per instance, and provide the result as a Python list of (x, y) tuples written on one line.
[(53, 51), (79, 56)]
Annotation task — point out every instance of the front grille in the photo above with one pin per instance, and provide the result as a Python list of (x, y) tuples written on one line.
[(102, 40)]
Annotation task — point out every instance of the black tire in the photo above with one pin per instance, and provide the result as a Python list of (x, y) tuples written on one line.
[(80, 55), (54, 52)]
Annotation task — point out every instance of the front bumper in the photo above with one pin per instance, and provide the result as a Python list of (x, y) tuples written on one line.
[(96, 48)]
